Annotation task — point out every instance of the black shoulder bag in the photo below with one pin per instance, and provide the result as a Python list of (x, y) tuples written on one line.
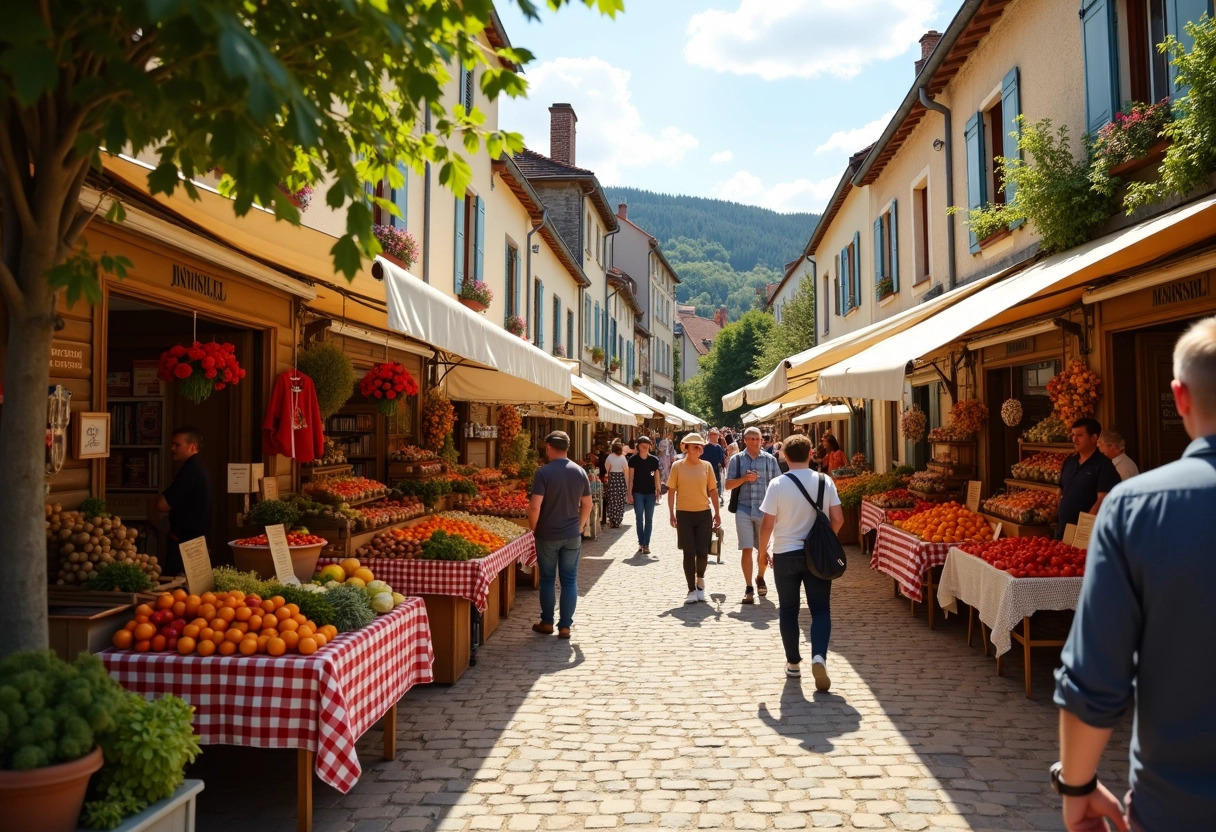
[(825, 556), (733, 505)]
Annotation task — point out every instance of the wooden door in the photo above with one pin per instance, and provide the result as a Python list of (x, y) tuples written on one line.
[(1162, 437)]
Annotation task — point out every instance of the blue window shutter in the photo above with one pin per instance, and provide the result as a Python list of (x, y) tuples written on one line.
[(1177, 14), (1101, 67), (401, 198), (612, 340), (856, 263), (570, 333), (836, 293), (586, 320), (479, 252), (519, 282), (540, 314), (977, 186), (557, 321), (458, 255), (846, 282), (1011, 108), (599, 341), (879, 248), (893, 270)]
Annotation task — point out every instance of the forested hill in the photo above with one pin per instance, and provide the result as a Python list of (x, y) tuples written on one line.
[(753, 236)]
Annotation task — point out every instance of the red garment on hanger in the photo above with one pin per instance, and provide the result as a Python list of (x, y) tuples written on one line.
[(293, 425)]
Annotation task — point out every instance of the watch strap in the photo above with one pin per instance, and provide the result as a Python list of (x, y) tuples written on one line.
[(1067, 790)]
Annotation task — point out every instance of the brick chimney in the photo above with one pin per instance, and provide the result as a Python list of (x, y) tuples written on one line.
[(720, 317), (622, 210), (927, 43), (561, 133)]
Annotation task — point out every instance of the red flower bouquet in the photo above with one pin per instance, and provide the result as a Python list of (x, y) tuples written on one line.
[(200, 368), (387, 384)]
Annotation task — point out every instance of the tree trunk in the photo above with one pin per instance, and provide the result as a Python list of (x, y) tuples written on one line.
[(23, 592)]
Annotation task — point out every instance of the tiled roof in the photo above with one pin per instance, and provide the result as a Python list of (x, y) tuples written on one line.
[(700, 331), (538, 167)]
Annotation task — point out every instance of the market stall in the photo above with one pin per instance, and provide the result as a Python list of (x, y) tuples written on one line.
[(319, 704), (1005, 603)]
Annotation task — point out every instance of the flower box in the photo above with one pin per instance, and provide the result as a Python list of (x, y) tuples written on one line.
[(173, 814), (476, 306), (1153, 155)]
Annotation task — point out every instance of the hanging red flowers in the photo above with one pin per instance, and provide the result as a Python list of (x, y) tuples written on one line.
[(200, 368), (386, 385)]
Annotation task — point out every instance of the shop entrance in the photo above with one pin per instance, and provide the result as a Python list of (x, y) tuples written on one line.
[(144, 411), (1144, 405), (1028, 384)]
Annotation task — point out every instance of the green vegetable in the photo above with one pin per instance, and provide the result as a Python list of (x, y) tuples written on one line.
[(352, 608), (53, 712), (145, 755), (227, 579), (427, 490), (124, 577), (466, 487), (273, 512), (315, 606), (91, 507), (444, 546)]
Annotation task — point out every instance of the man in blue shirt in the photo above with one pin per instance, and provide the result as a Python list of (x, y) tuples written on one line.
[(715, 455), (1143, 632), (751, 471)]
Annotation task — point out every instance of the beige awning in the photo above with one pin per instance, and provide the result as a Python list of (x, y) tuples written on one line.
[(1051, 284), (824, 413), (587, 392), (488, 364), (669, 413)]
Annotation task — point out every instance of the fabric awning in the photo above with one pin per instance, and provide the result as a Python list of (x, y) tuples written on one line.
[(1051, 284), (492, 364), (690, 419), (824, 413), (794, 379), (667, 412), (585, 391), (765, 412)]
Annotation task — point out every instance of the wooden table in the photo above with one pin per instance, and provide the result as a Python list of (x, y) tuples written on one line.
[(910, 561)]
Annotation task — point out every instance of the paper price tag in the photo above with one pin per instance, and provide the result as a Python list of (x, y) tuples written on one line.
[(973, 495), (1070, 534), (996, 531), (270, 488), (238, 478), (280, 553), (197, 560), (256, 471), (1085, 527)]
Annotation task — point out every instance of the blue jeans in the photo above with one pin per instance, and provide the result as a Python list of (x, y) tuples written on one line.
[(792, 576), (643, 513), (558, 560)]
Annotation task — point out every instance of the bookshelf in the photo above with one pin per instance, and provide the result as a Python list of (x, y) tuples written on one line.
[(362, 430), (138, 444)]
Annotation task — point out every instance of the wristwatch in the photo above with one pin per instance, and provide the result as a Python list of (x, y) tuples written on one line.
[(1063, 788)]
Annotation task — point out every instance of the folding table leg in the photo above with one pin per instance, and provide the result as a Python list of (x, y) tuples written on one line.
[(930, 588), (304, 765), (970, 623), (390, 732), (1026, 652)]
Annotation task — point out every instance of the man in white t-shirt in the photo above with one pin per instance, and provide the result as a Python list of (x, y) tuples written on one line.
[(788, 517)]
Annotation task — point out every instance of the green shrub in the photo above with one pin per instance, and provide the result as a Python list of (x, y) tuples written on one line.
[(124, 577), (91, 507), (331, 372), (273, 512)]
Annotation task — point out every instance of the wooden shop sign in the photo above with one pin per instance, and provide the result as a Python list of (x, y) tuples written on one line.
[(71, 359), (1181, 291), (189, 280)]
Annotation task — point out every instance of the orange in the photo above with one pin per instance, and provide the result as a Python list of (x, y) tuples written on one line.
[(290, 639), (159, 642), (244, 614), (144, 609), (305, 630), (131, 625), (191, 630), (300, 619), (192, 604), (206, 611), (180, 594), (205, 634), (205, 648), (276, 647), (240, 626), (179, 609), (218, 624), (226, 613), (288, 625), (143, 646), (164, 601), (307, 646), (249, 646), (208, 597), (270, 631), (227, 648), (236, 595), (234, 635), (282, 613), (186, 645), (320, 639), (330, 631), (349, 566), (262, 642), (278, 601), (144, 632), (123, 639), (255, 623), (268, 606)]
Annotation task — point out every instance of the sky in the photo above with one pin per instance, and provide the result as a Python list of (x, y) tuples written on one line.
[(754, 101)]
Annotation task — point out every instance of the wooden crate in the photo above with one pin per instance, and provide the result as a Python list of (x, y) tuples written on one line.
[(1012, 529), (492, 617), (852, 520), (451, 636), (506, 584), (85, 628)]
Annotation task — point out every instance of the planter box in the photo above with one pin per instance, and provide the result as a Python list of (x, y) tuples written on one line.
[(173, 814), (1151, 156), (81, 628), (848, 532)]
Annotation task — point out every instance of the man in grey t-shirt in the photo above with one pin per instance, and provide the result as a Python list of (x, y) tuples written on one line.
[(560, 507)]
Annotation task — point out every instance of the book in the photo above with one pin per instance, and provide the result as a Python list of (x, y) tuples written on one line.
[(148, 423), (143, 379)]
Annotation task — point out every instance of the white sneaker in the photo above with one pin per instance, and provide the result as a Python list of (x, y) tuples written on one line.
[(692, 598), (701, 595), (820, 671), (793, 670)]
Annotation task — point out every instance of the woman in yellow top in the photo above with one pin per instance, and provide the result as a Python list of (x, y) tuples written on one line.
[(692, 501)]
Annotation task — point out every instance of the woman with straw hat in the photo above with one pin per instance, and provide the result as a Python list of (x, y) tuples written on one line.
[(692, 502)]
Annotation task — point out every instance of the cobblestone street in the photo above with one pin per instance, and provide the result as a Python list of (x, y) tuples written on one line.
[(660, 715)]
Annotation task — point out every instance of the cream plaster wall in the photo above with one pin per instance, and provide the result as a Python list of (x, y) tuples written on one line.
[(853, 217)]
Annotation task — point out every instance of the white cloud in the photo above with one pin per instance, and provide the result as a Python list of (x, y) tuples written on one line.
[(611, 138), (805, 38), (851, 141), (721, 157), (786, 197)]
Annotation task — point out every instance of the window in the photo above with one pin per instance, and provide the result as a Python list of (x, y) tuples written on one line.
[(557, 322), (1148, 24), (984, 143), (612, 341), (586, 320), (629, 362), (838, 289), (850, 273), (570, 330), (886, 253), (538, 331), (398, 196), (469, 255), (827, 299), (587, 242), (1101, 62), (467, 87), (920, 232), (512, 281), (599, 339)]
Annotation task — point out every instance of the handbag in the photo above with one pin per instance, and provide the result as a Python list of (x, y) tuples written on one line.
[(733, 505), (825, 558)]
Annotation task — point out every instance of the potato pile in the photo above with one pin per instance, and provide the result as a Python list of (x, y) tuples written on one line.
[(85, 544), (392, 543)]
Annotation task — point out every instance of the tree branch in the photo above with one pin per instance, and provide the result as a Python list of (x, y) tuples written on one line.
[(11, 291), (15, 182), (71, 207)]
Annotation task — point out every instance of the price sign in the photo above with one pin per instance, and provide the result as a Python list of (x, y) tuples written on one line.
[(197, 560), (280, 553), (1085, 526), (270, 488), (256, 471), (973, 495), (996, 531), (1070, 534), (238, 478)]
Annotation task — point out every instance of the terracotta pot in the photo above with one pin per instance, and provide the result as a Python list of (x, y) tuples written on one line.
[(47, 799), (392, 258), (475, 305)]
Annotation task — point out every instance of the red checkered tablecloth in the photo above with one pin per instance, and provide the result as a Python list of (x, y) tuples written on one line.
[(464, 579), (872, 517), (905, 557), (323, 702)]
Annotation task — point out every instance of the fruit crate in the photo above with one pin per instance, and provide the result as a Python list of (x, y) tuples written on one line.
[(1012, 529), (415, 470), (85, 627), (933, 496)]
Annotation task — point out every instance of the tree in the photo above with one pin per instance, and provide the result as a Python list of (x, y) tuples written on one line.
[(278, 91), (795, 333), (730, 362)]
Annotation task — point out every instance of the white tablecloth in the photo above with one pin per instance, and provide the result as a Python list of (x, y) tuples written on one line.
[(1001, 599)]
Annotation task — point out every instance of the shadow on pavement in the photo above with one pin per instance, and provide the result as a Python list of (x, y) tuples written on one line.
[(812, 722)]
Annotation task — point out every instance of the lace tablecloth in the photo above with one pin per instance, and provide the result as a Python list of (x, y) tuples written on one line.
[(1001, 599)]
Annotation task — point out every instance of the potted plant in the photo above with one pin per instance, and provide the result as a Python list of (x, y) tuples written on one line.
[(332, 374), (597, 355), (253, 554), (515, 325), (301, 198), (884, 287), (1134, 138), (614, 364), (396, 245), (200, 368), (559, 350), (387, 384), (637, 383), (475, 294)]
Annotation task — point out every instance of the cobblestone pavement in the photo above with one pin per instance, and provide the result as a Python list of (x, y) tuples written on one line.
[(660, 715)]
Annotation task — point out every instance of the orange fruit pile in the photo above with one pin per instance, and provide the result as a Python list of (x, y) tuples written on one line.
[(224, 623), (469, 531), (947, 523)]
